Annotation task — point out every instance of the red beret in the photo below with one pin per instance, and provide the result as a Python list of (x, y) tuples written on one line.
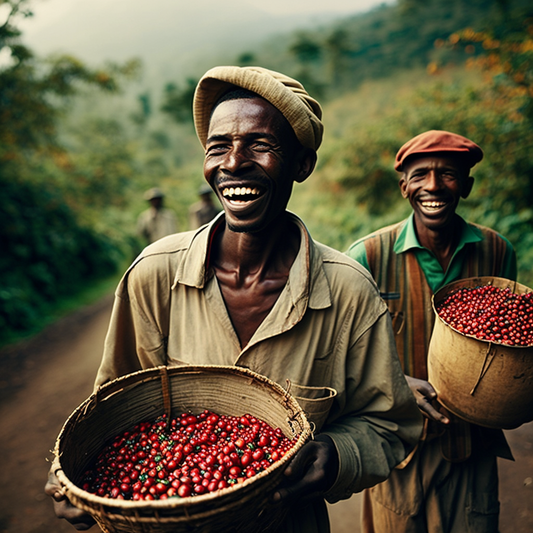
[(434, 141)]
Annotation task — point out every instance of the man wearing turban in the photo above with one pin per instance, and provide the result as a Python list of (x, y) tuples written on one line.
[(450, 483), (253, 289)]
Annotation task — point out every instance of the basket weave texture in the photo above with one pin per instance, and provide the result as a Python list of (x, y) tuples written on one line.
[(147, 394)]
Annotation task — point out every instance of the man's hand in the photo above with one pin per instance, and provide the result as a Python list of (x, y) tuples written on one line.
[(425, 396), (311, 472), (62, 507)]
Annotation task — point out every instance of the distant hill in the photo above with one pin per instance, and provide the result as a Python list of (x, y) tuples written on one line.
[(333, 54), (337, 56)]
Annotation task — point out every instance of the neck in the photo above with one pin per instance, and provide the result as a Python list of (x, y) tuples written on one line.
[(442, 242), (259, 253)]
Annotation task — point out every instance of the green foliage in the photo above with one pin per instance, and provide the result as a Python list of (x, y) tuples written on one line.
[(177, 102), (305, 48), (99, 164), (46, 254), (33, 93), (386, 40), (144, 111), (74, 165), (53, 199), (358, 188), (246, 59), (490, 104)]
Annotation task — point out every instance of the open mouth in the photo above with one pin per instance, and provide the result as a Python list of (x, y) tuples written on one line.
[(241, 194), (433, 205)]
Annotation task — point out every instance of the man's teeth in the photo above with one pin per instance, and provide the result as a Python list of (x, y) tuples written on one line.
[(239, 191), (433, 205)]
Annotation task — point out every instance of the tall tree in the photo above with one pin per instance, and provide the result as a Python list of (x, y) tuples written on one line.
[(48, 249)]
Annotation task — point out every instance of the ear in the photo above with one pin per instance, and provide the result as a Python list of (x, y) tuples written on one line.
[(306, 164), (467, 186), (403, 185)]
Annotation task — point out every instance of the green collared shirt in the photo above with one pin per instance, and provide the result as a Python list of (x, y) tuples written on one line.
[(408, 285), (435, 275)]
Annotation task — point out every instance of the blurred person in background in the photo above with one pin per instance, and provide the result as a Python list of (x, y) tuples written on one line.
[(450, 483), (205, 210), (157, 221), (253, 289)]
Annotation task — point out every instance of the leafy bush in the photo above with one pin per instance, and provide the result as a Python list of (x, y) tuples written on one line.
[(357, 186), (46, 254)]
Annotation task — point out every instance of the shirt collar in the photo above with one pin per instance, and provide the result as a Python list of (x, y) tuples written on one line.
[(306, 273), (408, 240), (307, 276), (193, 270)]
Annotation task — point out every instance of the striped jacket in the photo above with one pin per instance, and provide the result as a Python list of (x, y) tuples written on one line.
[(403, 286)]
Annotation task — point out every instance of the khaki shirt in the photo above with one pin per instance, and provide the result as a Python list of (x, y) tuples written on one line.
[(154, 224), (329, 329)]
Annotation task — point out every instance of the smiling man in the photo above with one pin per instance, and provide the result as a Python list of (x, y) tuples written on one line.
[(253, 289), (450, 483)]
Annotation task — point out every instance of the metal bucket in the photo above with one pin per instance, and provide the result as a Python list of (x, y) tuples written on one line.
[(486, 383)]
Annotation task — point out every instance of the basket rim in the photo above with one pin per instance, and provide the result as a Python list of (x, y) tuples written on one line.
[(154, 373), (478, 281)]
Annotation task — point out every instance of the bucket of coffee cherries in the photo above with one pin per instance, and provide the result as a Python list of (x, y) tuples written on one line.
[(480, 358), (176, 449)]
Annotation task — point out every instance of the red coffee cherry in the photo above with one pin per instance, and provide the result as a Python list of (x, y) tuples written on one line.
[(186, 456), (491, 314)]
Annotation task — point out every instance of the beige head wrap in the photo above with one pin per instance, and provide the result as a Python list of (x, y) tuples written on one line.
[(286, 94)]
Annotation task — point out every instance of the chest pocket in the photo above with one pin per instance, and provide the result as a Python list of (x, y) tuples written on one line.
[(316, 402)]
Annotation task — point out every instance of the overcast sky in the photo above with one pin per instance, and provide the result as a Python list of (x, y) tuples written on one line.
[(47, 11), (96, 30), (296, 6)]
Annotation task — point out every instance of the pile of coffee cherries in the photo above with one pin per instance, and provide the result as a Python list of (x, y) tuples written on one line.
[(491, 314), (185, 456)]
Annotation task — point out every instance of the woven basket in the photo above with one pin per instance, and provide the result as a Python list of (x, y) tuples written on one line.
[(144, 395)]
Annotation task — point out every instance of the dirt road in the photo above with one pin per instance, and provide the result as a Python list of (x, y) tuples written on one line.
[(43, 380)]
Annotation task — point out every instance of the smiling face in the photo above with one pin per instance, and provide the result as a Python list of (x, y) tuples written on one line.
[(252, 160), (434, 184)]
